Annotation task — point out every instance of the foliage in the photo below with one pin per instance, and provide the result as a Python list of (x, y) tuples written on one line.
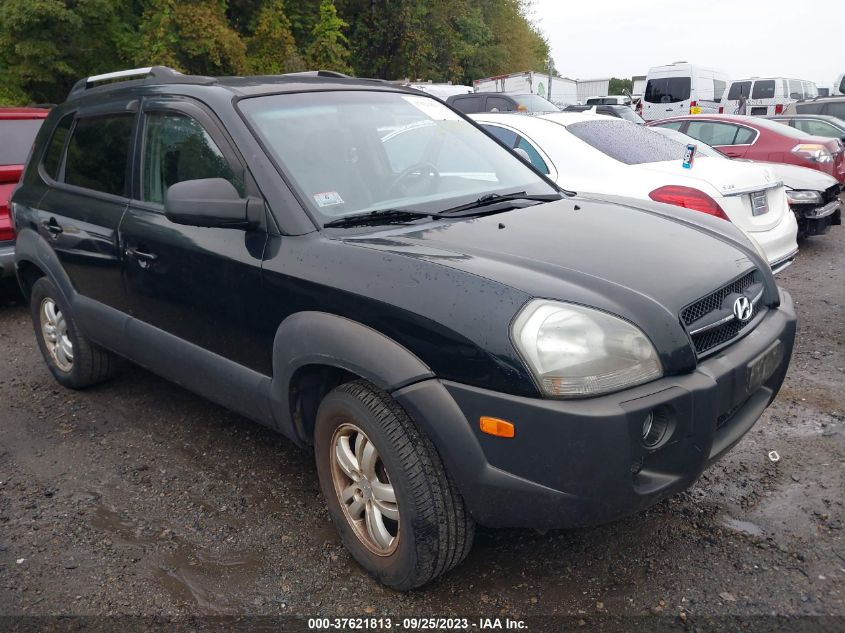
[(620, 86), (46, 45), (329, 48)]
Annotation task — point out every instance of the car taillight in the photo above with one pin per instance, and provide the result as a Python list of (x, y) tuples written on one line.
[(688, 198), (7, 231), (779, 108), (813, 152)]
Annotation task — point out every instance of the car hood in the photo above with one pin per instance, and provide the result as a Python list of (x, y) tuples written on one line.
[(642, 261), (725, 176)]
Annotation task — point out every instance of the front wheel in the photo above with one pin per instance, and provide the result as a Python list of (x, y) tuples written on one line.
[(394, 505)]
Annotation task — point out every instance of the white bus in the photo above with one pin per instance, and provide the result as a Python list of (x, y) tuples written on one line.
[(682, 88), (765, 96)]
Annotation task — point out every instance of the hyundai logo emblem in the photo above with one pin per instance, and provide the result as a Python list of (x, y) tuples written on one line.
[(743, 309)]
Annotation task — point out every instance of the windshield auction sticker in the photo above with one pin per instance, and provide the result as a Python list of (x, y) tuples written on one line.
[(431, 108), (328, 198)]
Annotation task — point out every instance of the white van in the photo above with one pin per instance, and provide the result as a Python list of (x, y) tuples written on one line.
[(765, 96), (682, 88)]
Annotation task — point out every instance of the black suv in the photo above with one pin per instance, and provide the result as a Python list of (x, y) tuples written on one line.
[(476, 102), (365, 270)]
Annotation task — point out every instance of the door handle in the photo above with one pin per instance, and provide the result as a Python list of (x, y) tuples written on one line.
[(52, 227), (144, 259)]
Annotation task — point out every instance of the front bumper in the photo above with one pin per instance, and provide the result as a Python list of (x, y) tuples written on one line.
[(7, 259), (817, 220), (581, 462)]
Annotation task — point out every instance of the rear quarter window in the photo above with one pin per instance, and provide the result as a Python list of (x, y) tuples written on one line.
[(53, 155), (626, 142), (16, 137)]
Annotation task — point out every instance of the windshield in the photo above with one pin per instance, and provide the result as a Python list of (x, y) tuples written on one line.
[(668, 90), (18, 135), (535, 103), (355, 152), (702, 149), (628, 143)]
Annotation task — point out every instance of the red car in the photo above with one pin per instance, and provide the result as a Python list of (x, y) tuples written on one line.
[(18, 127), (754, 138)]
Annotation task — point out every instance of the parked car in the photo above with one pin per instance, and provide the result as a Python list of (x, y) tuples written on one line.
[(765, 96), (617, 111), (558, 90), (583, 153), (622, 100), (831, 106), (458, 348), (18, 127), (813, 196), (499, 102), (815, 124), (682, 88), (760, 139)]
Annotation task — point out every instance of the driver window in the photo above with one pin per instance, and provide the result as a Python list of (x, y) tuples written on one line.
[(177, 148)]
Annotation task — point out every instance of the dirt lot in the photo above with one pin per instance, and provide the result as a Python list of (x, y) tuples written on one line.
[(137, 497)]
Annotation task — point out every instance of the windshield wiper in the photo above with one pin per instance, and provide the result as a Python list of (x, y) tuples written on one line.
[(381, 216), (494, 198)]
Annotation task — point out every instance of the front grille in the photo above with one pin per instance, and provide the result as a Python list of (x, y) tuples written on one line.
[(705, 341)]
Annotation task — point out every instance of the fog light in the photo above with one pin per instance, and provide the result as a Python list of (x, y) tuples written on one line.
[(654, 428)]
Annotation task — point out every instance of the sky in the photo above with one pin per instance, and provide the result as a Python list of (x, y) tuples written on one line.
[(800, 39)]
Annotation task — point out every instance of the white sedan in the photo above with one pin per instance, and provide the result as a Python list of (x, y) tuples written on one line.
[(589, 153)]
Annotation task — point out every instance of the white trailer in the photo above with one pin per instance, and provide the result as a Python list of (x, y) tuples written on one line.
[(639, 85), (592, 88), (561, 92)]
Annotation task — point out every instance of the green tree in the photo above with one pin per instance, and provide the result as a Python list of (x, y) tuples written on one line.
[(329, 48), (192, 36), (271, 49)]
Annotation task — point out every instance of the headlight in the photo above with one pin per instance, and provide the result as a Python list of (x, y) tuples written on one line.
[(803, 197), (575, 351)]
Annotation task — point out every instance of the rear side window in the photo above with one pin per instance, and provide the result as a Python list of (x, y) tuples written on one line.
[(818, 128), (809, 108), (763, 89), (533, 155), (506, 136), (177, 148), (837, 109), (467, 105), (715, 133), (739, 89), (53, 156), (98, 151), (498, 104), (668, 89), (718, 89), (626, 142), (795, 89), (16, 137)]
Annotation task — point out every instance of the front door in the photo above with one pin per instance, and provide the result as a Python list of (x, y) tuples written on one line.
[(202, 285)]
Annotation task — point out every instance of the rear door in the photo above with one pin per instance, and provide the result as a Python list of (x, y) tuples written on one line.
[(202, 285), (667, 97), (87, 168)]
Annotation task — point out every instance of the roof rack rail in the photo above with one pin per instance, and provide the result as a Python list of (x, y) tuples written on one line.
[(319, 73), (159, 74)]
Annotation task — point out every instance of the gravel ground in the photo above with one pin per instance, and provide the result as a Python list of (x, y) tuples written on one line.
[(139, 498)]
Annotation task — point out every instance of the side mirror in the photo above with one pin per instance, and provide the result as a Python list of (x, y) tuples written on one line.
[(210, 202)]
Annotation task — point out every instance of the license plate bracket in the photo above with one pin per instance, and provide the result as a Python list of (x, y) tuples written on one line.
[(761, 368), (759, 203)]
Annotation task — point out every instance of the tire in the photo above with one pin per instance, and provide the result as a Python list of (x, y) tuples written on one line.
[(88, 363), (434, 530)]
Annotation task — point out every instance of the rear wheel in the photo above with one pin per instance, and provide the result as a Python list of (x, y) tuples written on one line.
[(396, 508), (74, 361)]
